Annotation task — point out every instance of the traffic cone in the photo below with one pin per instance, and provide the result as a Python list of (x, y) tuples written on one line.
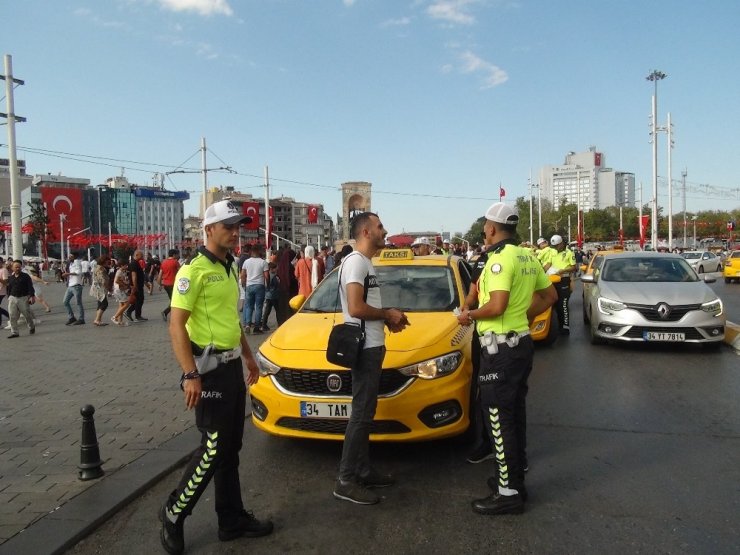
[(90, 463)]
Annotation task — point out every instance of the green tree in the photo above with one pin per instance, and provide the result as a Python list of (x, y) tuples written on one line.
[(40, 222)]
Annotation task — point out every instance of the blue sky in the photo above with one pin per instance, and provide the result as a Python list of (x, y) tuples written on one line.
[(435, 102)]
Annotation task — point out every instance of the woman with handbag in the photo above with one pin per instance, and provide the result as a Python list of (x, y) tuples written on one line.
[(99, 289)]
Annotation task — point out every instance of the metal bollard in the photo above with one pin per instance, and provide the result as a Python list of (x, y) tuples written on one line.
[(90, 463)]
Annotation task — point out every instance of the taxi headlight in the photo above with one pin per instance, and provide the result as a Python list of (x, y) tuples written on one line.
[(434, 368), (267, 368), (713, 307), (608, 306)]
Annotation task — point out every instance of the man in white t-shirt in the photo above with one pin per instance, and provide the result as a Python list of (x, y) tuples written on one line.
[(358, 305), (254, 275), (74, 289)]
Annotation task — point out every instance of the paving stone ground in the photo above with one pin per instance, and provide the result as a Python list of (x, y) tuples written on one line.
[(127, 373)]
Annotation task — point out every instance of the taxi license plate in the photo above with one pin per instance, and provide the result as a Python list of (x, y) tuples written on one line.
[(325, 410), (663, 336)]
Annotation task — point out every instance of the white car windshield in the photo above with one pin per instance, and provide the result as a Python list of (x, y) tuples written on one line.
[(657, 269)]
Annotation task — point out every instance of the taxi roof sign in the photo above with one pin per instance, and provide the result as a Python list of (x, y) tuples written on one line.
[(396, 254)]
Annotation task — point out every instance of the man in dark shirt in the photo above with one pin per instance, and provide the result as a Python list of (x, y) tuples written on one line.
[(138, 279), (20, 296)]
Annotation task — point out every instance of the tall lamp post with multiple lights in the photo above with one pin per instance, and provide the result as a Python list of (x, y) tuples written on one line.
[(655, 76)]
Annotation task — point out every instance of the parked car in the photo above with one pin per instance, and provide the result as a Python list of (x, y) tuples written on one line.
[(643, 296), (732, 267), (703, 261)]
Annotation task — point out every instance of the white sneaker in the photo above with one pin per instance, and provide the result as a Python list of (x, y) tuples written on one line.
[(7, 327)]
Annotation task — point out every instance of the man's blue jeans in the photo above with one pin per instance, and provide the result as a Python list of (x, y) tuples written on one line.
[(254, 298), (74, 291)]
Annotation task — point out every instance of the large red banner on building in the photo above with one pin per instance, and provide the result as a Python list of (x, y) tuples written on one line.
[(63, 204)]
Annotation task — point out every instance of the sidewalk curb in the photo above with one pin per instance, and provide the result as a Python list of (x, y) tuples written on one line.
[(64, 527), (732, 335)]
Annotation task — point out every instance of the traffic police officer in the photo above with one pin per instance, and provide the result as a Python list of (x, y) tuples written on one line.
[(562, 263), (208, 343), (513, 290), (544, 252)]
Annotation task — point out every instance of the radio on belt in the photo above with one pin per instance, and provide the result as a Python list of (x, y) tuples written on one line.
[(488, 340)]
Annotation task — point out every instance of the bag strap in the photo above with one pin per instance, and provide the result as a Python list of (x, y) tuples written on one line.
[(365, 286)]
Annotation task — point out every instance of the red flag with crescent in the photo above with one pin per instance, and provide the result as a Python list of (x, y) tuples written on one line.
[(65, 204), (643, 223), (313, 214), (252, 209)]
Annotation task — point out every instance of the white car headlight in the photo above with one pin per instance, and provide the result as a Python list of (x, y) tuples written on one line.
[(433, 368), (713, 307), (267, 368), (608, 306)]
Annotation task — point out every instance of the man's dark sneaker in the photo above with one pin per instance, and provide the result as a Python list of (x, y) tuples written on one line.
[(32, 331), (355, 493), (481, 453), (496, 504), (246, 525), (13, 336), (142, 319), (172, 536), (256, 330), (71, 321), (375, 479), (493, 484), (265, 327), (79, 323), (128, 317)]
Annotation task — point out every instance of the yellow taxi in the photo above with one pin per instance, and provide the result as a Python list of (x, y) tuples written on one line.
[(425, 386), (731, 270)]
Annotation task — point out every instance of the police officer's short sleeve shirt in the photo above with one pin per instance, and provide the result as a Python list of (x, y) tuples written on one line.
[(209, 290), (561, 260), (516, 270)]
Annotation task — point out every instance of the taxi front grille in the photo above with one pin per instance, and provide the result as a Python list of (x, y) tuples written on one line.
[(650, 312), (329, 426), (314, 382), (689, 333)]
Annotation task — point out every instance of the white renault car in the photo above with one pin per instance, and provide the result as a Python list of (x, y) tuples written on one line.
[(647, 296)]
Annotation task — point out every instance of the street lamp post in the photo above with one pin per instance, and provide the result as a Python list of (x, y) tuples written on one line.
[(72, 235), (693, 219), (655, 76)]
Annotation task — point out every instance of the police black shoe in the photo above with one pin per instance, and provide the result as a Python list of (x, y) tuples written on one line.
[(354, 493), (375, 479), (171, 534), (71, 321), (497, 504), (483, 452), (13, 336), (246, 525), (493, 484)]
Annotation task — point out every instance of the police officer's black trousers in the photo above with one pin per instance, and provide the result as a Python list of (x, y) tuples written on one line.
[(478, 429), (219, 416), (561, 307), (503, 384)]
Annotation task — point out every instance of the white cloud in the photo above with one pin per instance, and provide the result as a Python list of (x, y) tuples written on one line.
[(452, 11), (492, 74), (97, 20), (399, 22), (201, 7), (348, 3)]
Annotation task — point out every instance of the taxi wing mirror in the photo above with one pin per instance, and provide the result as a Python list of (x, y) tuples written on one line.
[(297, 302), (588, 278)]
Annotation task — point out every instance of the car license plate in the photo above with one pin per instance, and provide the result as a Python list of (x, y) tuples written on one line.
[(663, 336), (325, 410)]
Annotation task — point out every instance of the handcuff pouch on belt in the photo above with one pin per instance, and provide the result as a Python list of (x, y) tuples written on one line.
[(491, 341)]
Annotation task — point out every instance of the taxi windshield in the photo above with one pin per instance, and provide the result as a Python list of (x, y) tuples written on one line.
[(409, 288)]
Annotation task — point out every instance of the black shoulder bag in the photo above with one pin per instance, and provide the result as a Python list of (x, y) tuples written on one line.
[(346, 340)]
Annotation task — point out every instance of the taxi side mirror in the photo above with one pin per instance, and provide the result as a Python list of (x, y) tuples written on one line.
[(297, 302), (588, 278)]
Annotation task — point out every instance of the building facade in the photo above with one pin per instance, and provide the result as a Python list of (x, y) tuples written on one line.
[(584, 180)]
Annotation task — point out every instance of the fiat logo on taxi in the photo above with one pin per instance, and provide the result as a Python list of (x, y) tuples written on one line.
[(333, 382)]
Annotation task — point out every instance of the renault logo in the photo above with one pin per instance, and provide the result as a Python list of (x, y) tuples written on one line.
[(333, 382), (664, 311)]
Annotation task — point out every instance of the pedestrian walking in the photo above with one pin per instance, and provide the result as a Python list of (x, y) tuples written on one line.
[(3, 289), (100, 288), (38, 286), (167, 272), (208, 343), (20, 297), (138, 284), (513, 289), (121, 293), (307, 272), (288, 284), (359, 294), (272, 295), (74, 275), (253, 277)]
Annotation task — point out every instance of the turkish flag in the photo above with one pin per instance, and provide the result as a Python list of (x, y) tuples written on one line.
[(642, 221), (65, 204), (252, 209), (501, 192), (313, 214)]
